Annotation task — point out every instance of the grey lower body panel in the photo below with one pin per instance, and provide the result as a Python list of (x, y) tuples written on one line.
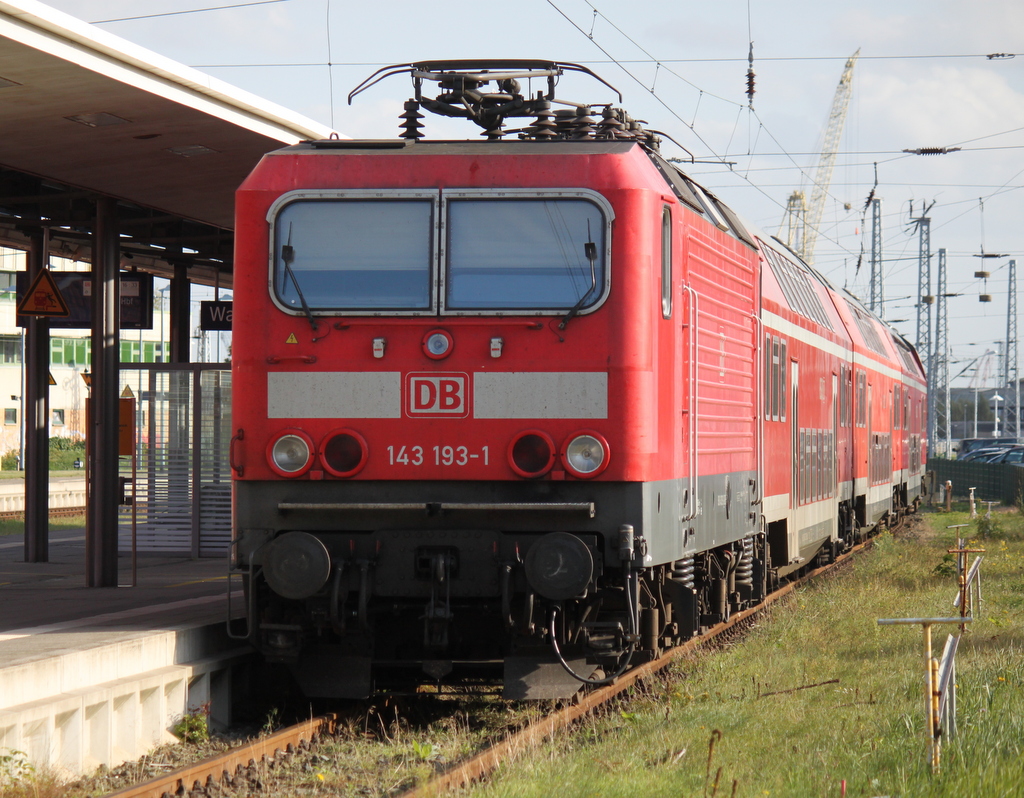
[(663, 512)]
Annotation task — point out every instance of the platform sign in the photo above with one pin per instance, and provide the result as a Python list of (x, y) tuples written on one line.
[(215, 316), (43, 297), (126, 427), (75, 290)]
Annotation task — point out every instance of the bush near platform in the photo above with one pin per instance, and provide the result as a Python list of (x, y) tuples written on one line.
[(63, 453)]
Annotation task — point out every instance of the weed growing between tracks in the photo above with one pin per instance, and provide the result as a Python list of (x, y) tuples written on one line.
[(818, 693)]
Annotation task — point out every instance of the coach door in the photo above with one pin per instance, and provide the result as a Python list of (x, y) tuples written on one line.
[(834, 448), (794, 449)]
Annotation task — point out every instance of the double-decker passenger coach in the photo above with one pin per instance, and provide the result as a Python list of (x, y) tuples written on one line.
[(532, 408)]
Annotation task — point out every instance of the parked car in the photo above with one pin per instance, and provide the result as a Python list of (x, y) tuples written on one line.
[(982, 455), (1013, 455), (971, 444)]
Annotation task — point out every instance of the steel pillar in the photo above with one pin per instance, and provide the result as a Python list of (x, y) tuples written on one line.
[(940, 410), (925, 300), (180, 315), (877, 281), (1010, 367), (104, 486), (36, 454)]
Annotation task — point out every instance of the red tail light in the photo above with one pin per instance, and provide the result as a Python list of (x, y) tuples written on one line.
[(531, 453)]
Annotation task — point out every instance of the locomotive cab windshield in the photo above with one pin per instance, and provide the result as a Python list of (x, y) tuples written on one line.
[(501, 252)]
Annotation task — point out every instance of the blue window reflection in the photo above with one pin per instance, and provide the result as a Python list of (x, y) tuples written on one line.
[(519, 254), (354, 254)]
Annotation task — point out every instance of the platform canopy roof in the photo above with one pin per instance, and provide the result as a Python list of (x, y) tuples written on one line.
[(85, 114)]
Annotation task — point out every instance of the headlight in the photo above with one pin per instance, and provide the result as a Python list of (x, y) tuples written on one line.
[(437, 344), (585, 454), (291, 454), (343, 452), (531, 453)]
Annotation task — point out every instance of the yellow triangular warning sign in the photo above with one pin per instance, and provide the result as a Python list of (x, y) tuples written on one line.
[(43, 298), (127, 392), (291, 339), (52, 380)]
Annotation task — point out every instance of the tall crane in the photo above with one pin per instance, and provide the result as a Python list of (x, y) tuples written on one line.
[(802, 219)]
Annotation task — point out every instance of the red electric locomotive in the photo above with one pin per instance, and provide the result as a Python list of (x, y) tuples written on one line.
[(534, 408)]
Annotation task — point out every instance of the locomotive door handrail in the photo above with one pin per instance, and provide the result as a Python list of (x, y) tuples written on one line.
[(692, 321)]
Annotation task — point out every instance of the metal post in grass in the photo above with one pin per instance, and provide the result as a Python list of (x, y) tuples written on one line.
[(966, 576), (938, 679), (974, 512)]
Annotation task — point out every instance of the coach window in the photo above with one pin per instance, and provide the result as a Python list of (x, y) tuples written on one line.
[(524, 253), (782, 379), (776, 378), (666, 262), (897, 404), (768, 377), (862, 399), (343, 252)]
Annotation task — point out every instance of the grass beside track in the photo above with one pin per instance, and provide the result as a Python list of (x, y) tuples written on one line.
[(729, 722), (16, 526)]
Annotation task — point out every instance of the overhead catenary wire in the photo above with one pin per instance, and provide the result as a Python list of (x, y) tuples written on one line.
[(188, 11)]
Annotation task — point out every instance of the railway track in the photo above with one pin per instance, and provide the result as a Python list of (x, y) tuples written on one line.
[(55, 512), (232, 764)]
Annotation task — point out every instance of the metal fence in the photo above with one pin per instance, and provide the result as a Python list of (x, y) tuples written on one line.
[(994, 482), (182, 488)]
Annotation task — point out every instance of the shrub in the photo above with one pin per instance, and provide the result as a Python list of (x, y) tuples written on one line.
[(63, 453), (192, 727)]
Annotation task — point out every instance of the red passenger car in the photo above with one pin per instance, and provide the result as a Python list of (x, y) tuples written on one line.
[(534, 408)]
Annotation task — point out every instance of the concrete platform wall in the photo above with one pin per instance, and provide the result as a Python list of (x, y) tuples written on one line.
[(111, 704), (64, 492)]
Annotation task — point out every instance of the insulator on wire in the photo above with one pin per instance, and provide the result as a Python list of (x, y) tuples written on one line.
[(750, 76)]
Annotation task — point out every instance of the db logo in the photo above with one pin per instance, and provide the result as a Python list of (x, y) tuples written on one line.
[(440, 395)]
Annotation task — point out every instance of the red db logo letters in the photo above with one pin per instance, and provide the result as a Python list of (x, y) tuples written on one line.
[(437, 394)]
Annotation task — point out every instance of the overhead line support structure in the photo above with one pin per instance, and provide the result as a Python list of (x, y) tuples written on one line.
[(941, 410), (925, 300), (1011, 375), (877, 278)]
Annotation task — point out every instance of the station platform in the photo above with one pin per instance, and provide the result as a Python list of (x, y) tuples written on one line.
[(97, 676)]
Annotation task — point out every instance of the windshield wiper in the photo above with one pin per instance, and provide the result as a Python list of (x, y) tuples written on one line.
[(287, 256), (590, 250)]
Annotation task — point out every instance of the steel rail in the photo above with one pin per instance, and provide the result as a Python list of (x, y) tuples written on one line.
[(55, 512), (198, 775)]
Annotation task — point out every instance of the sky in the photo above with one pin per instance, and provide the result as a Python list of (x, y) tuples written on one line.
[(931, 73)]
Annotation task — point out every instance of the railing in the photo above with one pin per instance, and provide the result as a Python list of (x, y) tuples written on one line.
[(940, 674)]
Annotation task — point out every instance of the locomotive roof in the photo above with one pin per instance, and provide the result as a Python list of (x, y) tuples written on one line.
[(459, 146)]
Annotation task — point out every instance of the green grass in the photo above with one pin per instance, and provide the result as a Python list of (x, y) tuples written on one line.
[(17, 526), (866, 729), (7, 474)]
